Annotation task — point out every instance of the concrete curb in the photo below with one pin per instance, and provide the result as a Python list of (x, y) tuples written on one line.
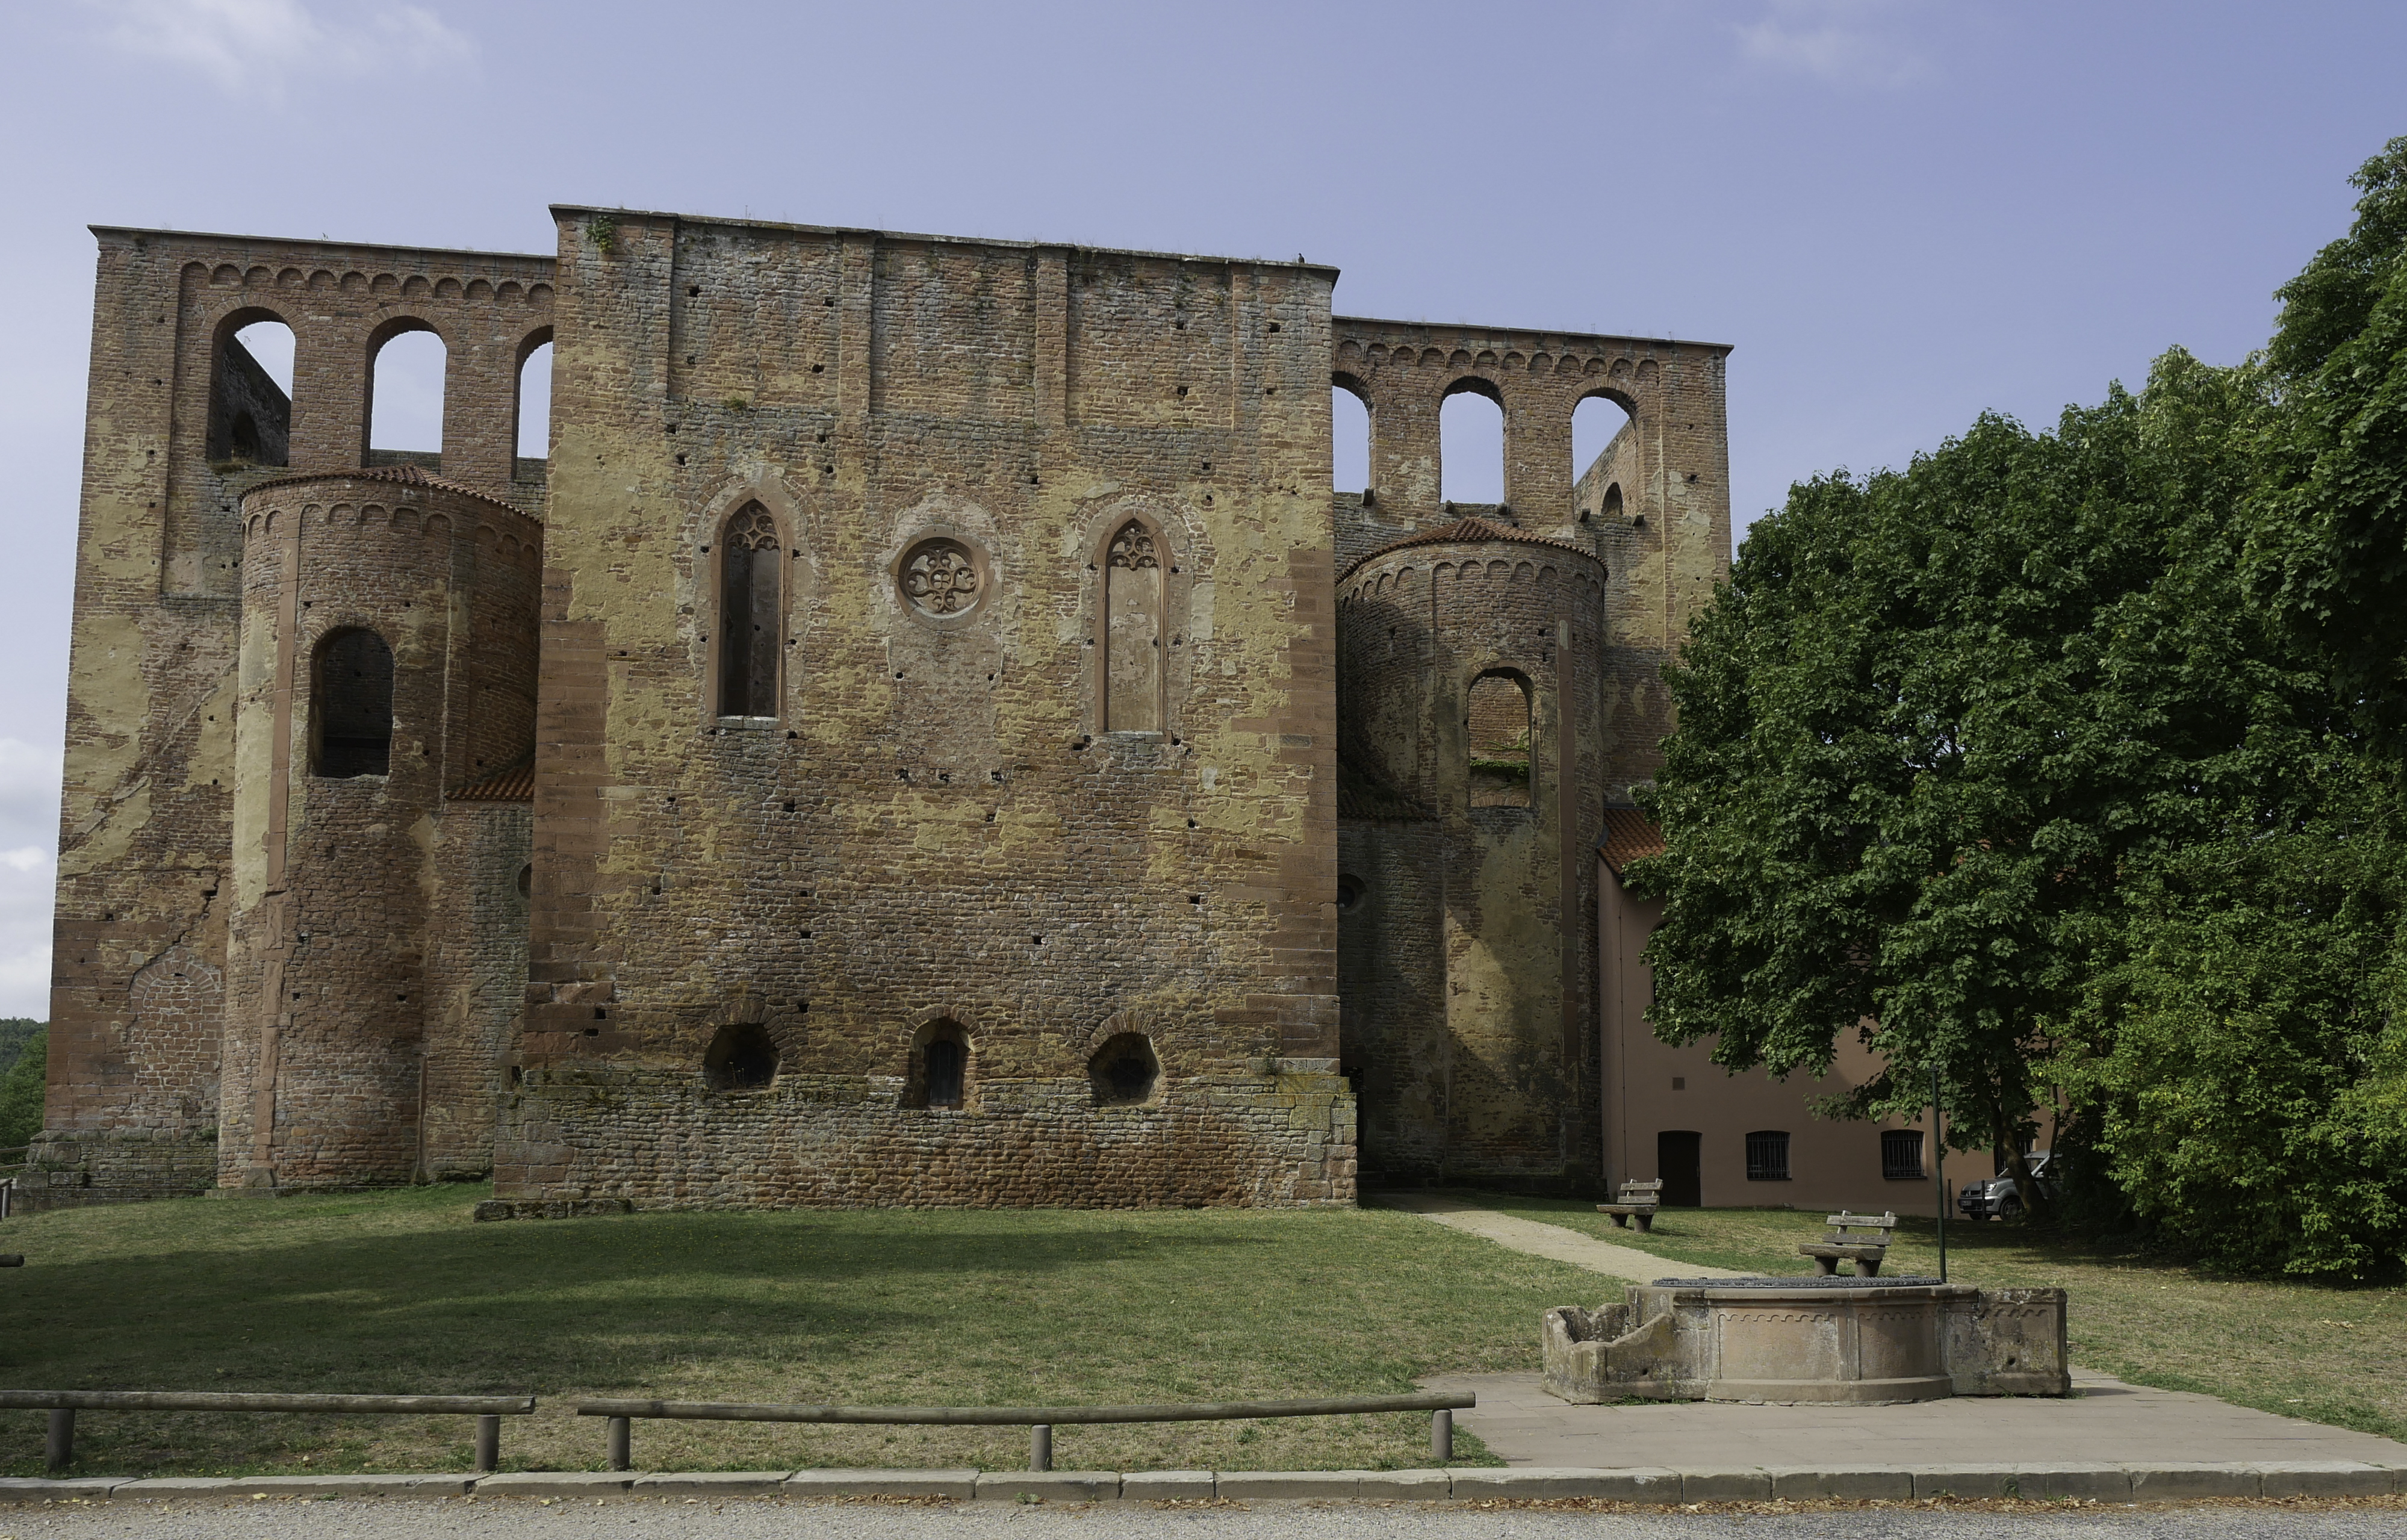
[(2102, 1481)]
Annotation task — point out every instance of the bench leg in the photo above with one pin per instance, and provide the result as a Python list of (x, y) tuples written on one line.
[(1868, 1266), (1646, 1224), (1826, 1267), (1620, 1221)]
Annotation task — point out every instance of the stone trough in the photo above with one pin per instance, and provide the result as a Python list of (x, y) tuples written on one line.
[(1851, 1341)]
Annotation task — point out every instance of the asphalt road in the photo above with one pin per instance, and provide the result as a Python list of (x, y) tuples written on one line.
[(516, 1520)]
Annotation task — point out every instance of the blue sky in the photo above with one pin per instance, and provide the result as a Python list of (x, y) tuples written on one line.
[(1901, 212)]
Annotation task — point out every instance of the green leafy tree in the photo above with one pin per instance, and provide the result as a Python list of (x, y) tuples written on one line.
[(1932, 720), (2327, 538), (21, 1093)]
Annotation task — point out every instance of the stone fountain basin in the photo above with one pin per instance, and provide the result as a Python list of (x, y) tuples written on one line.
[(1846, 1341)]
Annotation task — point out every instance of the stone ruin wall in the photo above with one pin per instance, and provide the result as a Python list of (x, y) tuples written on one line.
[(146, 828), (1478, 1057), (337, 892), (937, 829)]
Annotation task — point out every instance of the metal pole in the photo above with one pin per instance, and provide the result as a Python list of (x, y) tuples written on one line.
[(1040, 1447), (1442, 1436), (621, 1429), (489, 1443), (59, 1451), (1938, 1142)]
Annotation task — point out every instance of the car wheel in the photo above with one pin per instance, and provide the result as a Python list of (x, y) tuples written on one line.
[(2010, 1207)]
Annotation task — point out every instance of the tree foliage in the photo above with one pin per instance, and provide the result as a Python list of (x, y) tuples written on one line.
[(21, 1093), (2067, 761)]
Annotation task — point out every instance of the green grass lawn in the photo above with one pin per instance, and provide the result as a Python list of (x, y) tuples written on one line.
[(399, 1291), (2332, 1354)]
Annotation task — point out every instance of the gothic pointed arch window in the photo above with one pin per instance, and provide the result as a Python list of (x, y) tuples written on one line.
[(1133, 629), (751, 612)]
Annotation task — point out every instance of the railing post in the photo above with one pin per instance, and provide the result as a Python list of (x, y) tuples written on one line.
[(58, 1450), (1040, 1447), (489, 1443), (1442, 1436), (621, 1437)]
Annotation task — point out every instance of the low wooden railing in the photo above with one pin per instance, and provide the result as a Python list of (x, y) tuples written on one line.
[(63, 1405), (1040, 1421)]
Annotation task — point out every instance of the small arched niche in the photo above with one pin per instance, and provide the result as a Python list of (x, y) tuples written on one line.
[(1496, 739), (743, 1057), (351, 707), (1125, 1071), (940, 1066), (1133, 603)]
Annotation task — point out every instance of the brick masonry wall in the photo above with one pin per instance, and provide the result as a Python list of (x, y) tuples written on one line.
[(146, 828), (936, 824), (338, 893), (1478, 1051)]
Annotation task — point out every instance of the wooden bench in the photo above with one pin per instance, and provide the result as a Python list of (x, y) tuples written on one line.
[(1865, 1250), (1636, 1201)]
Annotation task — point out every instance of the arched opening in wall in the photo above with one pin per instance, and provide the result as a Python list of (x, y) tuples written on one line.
[(1124, 1072), (740, 1058), (940, 1066), (1471, 443), (532, 407), (751, 612), (351, 707), (1133, 629), (1603, 455), (406, 397), (1608, 506), (1496, 739), (251, 392), (1349, 438)]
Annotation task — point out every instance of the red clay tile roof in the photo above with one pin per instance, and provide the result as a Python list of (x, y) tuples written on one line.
[(1469, 530), (401, 476), (1629, 835), (514, 784)]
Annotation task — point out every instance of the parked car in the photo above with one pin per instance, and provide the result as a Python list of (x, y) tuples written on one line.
[(1996, 1198)]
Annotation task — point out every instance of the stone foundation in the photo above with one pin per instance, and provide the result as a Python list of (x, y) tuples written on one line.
[(72, 1171), (663, 1140)]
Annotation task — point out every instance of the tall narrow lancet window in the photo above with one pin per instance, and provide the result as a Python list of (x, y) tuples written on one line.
[(1132, 610), (750, 614), (350, 714)]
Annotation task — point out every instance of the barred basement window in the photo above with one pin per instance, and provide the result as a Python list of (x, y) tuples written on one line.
[(1124, 1071), (940, 1065), (1902, 1154), (741, 1058), (1766, 1157)]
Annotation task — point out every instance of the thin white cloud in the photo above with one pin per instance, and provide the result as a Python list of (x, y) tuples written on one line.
[(1840, 42), (259, 46)]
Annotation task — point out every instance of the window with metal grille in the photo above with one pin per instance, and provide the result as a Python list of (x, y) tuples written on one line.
[(1902, 1154), (1766, 1157)]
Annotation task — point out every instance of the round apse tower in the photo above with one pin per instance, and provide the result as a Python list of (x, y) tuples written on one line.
[(388, 653), (1473, 762)]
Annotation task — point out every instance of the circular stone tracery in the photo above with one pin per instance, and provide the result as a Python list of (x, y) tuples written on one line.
[(940, 576)]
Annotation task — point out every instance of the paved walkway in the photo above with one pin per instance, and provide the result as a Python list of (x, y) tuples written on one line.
[(1551, 1241), (2107, 1420)]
